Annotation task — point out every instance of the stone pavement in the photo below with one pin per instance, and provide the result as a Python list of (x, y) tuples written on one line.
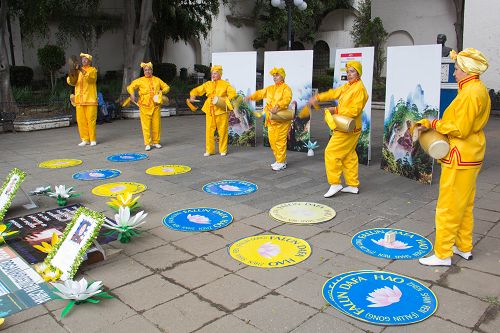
[(169, 281)]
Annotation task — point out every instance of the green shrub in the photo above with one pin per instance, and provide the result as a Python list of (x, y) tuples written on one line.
[(165, 71), (51, 58), (183, 74), (322, 82), (203, 69), (113, 75), (330, 71), (21, 76)]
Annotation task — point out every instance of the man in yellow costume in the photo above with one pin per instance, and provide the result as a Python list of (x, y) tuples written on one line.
[(278, 96), (86, 100), (217, 117), (340, 153), (463, 122), (151, 90)]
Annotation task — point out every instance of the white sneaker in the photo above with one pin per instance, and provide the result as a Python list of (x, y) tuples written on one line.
[(435, 261), (157, 145), (350, 189), (207, 154), (333, 190), (272, 165), (223, 154), (83, 143), (279, 166), (93, 143), (147, 148), (465, 255)]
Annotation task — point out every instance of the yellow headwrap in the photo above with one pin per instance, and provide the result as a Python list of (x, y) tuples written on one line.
[(356, 65), (85, 55), (147, 64), (279, 71), (216, 68), (470, 60)]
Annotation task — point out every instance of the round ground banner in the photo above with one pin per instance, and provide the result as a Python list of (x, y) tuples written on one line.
[(127, 157), (302, 212), (380, 298), (57, 164), (114, 189), (405, 245), (270, 251), (168, 170), (230, 187), (97, 174), (197, 219)]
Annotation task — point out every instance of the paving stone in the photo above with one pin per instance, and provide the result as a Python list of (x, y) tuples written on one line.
[(432, 324), (132, 324), (317, 257), (222, 258), (495, 231), (24, 315), (162, 257), (421, 227), (144, 242), (340, 264), (168, 234), (242, 291), (331, 311), (486, 256), (350, 220), (487, 215), (491, 320), (466, 280), (325, 323), (482, 227), (241, 211), (412, 268), (262, 221), (195, 273), (331, 241), (271, 278), (297, 230), (236, 231), (231, 324), (42, 324), (118, 273), (201, 243), (307, 288)]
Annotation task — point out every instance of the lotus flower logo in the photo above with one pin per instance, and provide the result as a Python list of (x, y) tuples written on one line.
[(199, 219), (61, 163), (118, 188), (384, 297), (96, 174), (127, 157), (230, 188), (168, 170), (396, 245), (297, 211), (269, 250)]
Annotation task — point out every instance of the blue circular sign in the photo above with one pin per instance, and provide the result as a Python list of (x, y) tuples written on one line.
[(391, 244), (97, 174), (197, 219), (230, 187), (380, 298), (127, 157)]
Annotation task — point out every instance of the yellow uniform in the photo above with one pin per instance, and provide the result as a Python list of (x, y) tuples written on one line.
[(86, 103), (279, 95), (216, 118), (149, 110), (340, 153)]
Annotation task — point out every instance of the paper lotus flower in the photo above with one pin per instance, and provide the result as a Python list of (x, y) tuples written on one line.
[(384, 297), (96, 174), (40, 190), (396, 245), (200, 219), (310, 147), (269, 250), (124, 200), (4, 232), (230, 188), (79, 292), (62, 194), (48, 273), (46, 247), (126, 226)]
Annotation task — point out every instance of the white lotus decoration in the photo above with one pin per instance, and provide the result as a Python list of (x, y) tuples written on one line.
[(40, 190), (384, 297), (62, 193), (230, 188), (396, 245), (124, 225), (269, 250), (199, 219)]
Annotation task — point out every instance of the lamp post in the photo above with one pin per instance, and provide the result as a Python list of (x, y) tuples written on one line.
[(288, 4)]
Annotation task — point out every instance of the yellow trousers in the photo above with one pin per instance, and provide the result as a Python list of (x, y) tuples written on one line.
[(220, 123), (277, 132), (86, 116), (340, 156), (151, 125), (454, 219)]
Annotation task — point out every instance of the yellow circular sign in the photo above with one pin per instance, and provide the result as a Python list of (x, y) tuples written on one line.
[(57, 164), (302, 212), (270, 251), (114, 189), (168, 170)]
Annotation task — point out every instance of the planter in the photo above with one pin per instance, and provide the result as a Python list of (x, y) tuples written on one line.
[(40, 124), (134, 113)]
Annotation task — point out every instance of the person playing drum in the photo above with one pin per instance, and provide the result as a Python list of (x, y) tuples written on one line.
[(340, 153), (217, 116), (278, 96), (151, 89), (462, 122), (85, 99)]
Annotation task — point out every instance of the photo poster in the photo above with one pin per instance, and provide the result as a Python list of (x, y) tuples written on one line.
[(8, 190), (20, 286), (239, 69), (365, 56), (412, 93), (36, 228), (298, 66)]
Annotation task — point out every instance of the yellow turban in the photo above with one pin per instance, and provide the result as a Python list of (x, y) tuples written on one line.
[(85, 55), (279, 71), (470, 60), (146, 64), (356, 65), (216, 68)]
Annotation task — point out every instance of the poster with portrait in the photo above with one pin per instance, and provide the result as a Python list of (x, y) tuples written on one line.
[(298, 66), (239, 69), (412, 93), (365, 56), (9, 189)]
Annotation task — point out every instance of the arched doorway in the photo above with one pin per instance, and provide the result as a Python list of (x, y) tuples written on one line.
[(321, 57)]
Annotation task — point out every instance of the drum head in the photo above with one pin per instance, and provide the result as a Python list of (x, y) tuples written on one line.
[(439, 149)]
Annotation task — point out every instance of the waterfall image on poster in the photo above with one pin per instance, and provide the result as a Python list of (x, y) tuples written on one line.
[(298, 68), (365, 56), (412, 93), (239, 69)]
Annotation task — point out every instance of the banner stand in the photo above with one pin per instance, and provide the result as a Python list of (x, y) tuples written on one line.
[(31, 204)]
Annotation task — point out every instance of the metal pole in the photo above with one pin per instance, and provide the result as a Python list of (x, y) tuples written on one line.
[(289, 5)]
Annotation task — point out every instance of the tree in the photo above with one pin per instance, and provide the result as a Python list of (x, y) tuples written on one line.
[(51, 58), (7, 102), (459, 24)]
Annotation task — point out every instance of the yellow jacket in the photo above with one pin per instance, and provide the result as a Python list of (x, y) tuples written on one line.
[(278, 94), (85, 88), (463, 122), (351, 101), (148, 87), (219, 88)]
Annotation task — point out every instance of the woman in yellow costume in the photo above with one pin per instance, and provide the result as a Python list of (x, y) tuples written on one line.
[(463, 122), (217, 118), (340, 154), (278, 97), (149, 106), (86, 100)]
